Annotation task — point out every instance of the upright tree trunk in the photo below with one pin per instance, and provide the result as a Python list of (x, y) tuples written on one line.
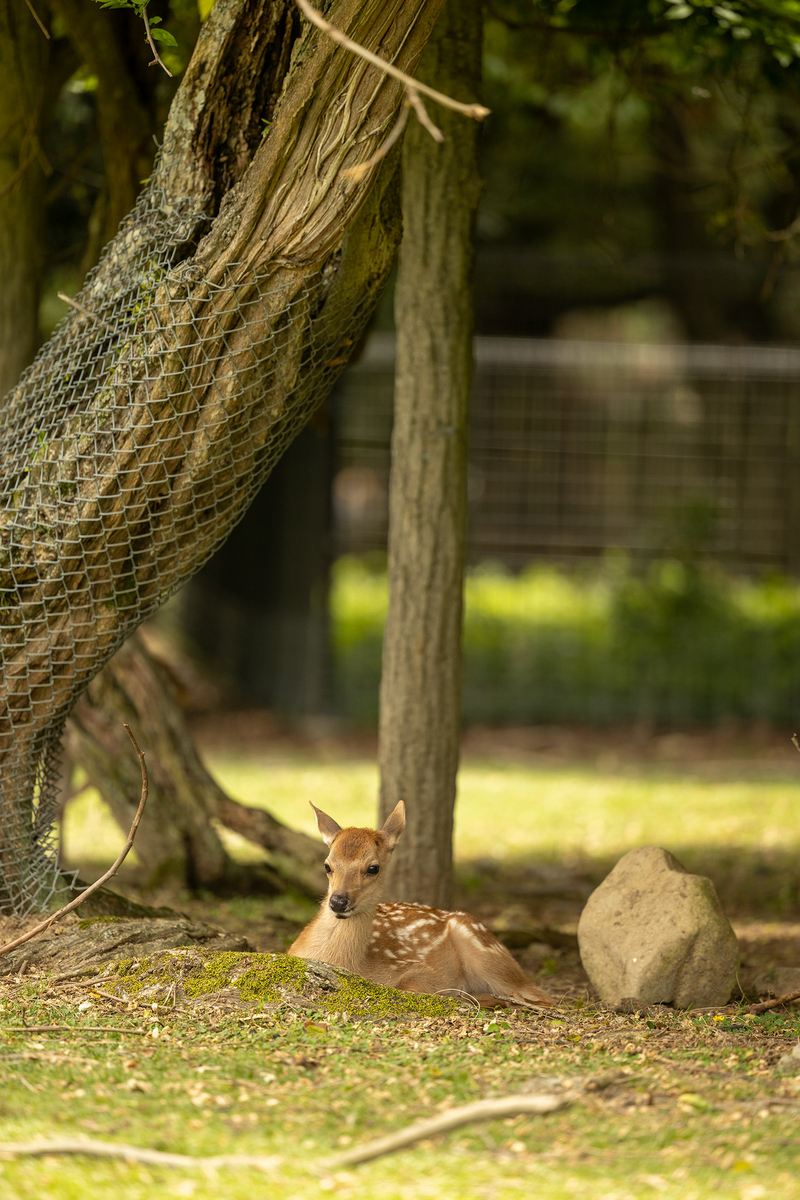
[(109, 44), (24, 52), (421, 679)]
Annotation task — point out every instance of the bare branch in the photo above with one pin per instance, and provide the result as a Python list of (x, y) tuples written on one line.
[(476, 111), (157, 61), (35, 16), (62, 912), (83, 311), (766, 1005), (136, 1154), (415, 100), (465, 1114)]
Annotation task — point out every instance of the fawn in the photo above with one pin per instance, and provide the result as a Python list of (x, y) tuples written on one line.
[(407, 946)]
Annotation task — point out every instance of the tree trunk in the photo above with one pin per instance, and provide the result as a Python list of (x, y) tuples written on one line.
[(26, 97), (177, 842), (421, 679), (111, 46), (138, 437)]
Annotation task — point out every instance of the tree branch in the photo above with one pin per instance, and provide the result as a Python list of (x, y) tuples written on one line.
[(157, 60), (476, 111), (465, 1114)]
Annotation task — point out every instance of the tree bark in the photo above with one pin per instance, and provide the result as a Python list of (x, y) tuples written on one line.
[(118, 488), (109, 44), (32, 71), (177, 842), (420, 701)]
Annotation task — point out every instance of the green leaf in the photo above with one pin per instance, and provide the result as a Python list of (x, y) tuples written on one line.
[(162, 35)]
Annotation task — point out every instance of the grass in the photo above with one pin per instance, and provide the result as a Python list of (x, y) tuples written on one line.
[(665, 1104), (554, 813), (678, 1105)]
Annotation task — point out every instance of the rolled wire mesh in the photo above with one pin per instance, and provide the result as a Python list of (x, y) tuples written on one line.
[(130, 447)]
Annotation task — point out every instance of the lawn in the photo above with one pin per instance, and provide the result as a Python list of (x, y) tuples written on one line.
[(664, 1103)]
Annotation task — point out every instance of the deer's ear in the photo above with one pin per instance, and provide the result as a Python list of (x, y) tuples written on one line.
[(326, 825), (395, 824)]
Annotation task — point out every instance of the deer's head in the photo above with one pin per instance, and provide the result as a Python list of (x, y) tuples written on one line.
[(357, 861)]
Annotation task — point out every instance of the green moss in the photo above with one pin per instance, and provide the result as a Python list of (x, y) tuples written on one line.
[(98, 921), (357, 996), (267, 977), (260, 983)]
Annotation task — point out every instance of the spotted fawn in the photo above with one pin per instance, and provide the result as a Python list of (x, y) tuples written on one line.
[(407, 946)]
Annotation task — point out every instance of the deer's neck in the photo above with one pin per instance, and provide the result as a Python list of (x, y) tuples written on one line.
[(343, 943)]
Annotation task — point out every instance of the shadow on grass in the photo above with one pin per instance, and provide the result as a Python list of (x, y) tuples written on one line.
[(753, 883)]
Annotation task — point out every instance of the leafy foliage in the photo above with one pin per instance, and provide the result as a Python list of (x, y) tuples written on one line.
[(680, 643)]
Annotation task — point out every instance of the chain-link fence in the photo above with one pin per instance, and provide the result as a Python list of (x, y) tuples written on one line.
[(576, 447)]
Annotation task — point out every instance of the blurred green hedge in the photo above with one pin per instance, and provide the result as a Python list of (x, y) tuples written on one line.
[(679, 644)]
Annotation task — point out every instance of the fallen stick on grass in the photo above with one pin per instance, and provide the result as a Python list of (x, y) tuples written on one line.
[(766, 1005), (135, 1154), (62, 912), (465, 1114)]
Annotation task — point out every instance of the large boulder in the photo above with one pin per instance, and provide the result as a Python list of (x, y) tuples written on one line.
[(655, 934)]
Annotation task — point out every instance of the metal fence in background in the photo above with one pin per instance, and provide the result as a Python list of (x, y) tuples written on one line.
[(576, 447)]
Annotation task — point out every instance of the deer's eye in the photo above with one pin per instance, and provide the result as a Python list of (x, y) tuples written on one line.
[(373, 870), (328, 867)]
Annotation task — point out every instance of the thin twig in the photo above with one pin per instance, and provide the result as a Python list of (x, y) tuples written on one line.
[(465, 1114), (135, 1154), (35, 16), (415, 100), (476, 111), (157, 60), (83, 311), (766, 1005), (32, 933), (67, 1029), (454, 992)]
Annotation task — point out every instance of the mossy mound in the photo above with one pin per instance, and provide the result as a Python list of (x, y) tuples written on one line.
[(198, 976)]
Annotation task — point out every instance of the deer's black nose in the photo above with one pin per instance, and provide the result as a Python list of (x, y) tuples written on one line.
[(339, 902)]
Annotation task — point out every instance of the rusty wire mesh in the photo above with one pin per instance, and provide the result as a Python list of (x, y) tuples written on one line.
[(128, 450)]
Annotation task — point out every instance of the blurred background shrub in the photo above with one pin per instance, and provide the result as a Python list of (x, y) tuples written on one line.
[(678, 643)]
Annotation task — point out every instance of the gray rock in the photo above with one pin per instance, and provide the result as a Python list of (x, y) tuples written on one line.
[(654, 933), (789, 1064), (780, 981)]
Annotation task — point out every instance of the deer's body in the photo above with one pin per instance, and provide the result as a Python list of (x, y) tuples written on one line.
[(407, 946)]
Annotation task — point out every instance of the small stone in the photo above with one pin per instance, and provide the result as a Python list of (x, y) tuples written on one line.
[(789, 1064), (654, 934)]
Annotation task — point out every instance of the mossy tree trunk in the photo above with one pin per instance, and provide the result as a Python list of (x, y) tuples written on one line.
[(420, 701), (319, 243)]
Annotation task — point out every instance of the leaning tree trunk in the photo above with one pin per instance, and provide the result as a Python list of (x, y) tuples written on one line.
[(420, 701), (139, 435), (178, 841)]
